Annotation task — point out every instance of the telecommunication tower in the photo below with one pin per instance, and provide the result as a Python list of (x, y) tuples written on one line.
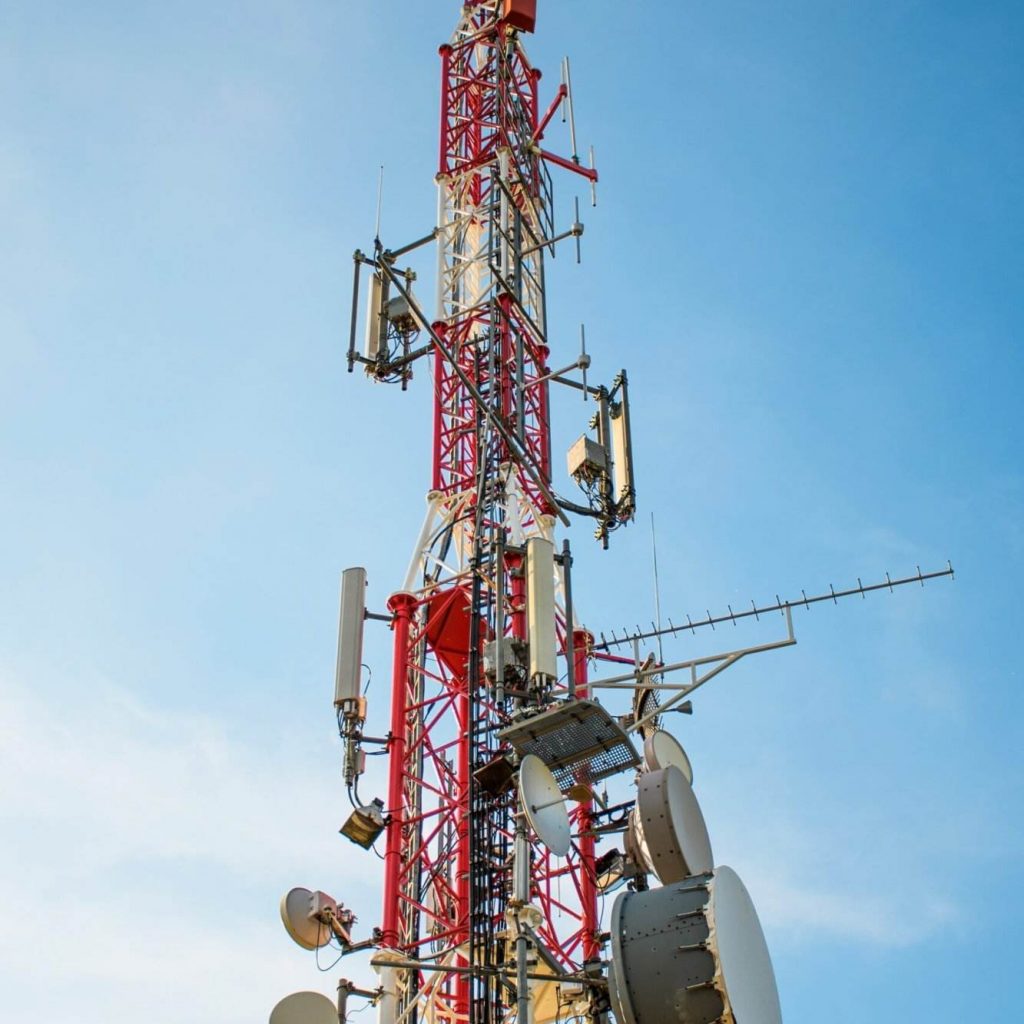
[(496, 741)]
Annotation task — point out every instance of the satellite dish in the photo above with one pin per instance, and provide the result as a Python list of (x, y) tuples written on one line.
[(543, 805), (706, 932), (296, 914), (673, 825), (661, 749), (304, 1008)]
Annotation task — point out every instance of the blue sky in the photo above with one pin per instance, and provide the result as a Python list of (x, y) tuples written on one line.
[(807, 253)]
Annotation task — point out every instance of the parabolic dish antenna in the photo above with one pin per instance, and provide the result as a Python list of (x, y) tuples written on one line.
[(688, 954), (304, 1008), (661, 749), (673, 825), (308, 932), (543, 804)]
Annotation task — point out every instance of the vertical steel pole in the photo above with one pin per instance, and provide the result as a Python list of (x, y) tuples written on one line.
[(517, 595), (462, 859), (581, 641), (403, 606), (570, 639), (439, 377), (446, 65)]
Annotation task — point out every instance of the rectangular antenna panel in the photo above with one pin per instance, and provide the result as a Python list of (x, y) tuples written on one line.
[(622, 460), (540, 606), (586, 459), (350, 636), (376, 325), (521, 14)]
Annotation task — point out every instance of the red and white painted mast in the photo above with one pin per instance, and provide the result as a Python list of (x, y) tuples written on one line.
[(465, 653), (490, 910)]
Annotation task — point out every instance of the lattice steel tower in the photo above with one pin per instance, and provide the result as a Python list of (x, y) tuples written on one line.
[(495, 745), (467, 656)]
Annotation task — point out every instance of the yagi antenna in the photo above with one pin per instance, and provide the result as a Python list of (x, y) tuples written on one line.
[(584, 358), (780, 605)]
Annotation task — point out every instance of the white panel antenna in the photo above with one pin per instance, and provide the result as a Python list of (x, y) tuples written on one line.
[(622, 457), (376, 323), (350, 636), (540, 602)]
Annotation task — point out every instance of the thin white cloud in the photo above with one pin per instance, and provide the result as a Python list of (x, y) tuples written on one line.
[(844, 872), (129, 782), (134, 839)]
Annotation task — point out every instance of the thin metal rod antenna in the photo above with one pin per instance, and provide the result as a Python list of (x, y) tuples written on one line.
[(572, 114), (577, 231), (566, 93), (357, 262), (380, 199), (779, 606), (584, 359), (657, 588), (544, 243)]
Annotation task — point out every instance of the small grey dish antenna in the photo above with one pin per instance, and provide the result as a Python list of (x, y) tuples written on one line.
[(543, 804), (304, 1008), (298, 907), (661, 749)]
